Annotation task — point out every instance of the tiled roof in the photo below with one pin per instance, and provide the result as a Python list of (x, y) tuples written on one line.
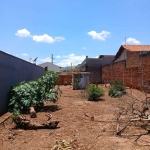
[(132, 48), (137, 47)]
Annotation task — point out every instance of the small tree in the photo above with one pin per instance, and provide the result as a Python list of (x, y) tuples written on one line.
[(34, 93), (94, 92), (117, 89)]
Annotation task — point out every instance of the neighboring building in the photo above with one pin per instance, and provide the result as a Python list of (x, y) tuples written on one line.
[(131, 65), (131, 54), (94, 66), (65, 78), (50, 66), (80, 80)]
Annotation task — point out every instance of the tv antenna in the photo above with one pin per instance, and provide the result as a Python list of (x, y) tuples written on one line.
[(34, 61)]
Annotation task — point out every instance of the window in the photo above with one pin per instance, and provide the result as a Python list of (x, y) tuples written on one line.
[(144, 52)]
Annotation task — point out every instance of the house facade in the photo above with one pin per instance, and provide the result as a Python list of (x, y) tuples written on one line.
[(132, 54), (50, 66), (131, 65)]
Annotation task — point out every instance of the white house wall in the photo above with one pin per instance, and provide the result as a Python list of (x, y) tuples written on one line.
[(123, 56), (84, 80)]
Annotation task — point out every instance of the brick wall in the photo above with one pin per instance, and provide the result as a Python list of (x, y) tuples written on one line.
[(134, 72), (132, 59), (64, 79), (113, 72)]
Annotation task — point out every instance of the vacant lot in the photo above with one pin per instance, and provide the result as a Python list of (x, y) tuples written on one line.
[(90, 124)]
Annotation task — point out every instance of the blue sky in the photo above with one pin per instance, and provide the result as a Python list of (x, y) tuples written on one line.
[(71, 30)]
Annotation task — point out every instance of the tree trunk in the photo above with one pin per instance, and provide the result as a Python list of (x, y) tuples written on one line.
[(32, 112), (28, 124)]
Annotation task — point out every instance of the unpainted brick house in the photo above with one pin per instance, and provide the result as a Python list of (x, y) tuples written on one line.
[(94, 66), (131, 65)]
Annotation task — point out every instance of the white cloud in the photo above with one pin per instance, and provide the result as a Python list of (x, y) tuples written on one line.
[(96, 57), (132, 41), (71, 58), (47, 39), (23, 33), (99, 36), (25, 54), (83, 47), (58, 56), (47, 59)]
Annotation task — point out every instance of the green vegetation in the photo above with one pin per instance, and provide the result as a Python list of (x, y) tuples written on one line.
[(117, 89), (34, 93), (94, 92)]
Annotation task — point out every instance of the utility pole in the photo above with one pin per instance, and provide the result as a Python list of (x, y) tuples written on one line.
[(71, 67), (52, 59)]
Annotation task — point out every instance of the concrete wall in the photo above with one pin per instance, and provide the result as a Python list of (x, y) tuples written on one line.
[(13, 71), (134, 72), (84, 81)]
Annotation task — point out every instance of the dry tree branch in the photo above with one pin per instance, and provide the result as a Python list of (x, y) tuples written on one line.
[(137, 111)]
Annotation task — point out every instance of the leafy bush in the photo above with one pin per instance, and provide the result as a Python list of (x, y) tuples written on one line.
[(117, 89), (94, 92), (25, 95)]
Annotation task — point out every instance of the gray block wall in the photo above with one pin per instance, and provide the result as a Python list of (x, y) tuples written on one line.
[(14, 70)]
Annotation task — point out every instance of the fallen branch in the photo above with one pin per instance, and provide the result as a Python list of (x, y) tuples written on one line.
[(135, 96), (91, 117), (128, 123), (119, 132), (24, 123)]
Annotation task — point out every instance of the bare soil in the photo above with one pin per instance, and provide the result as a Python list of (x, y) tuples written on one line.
[(72, 110)]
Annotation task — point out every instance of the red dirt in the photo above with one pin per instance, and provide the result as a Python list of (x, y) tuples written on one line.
[(90, 135)]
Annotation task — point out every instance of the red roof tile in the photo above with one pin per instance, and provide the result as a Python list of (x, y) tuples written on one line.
[(137, 47), (132, 48)]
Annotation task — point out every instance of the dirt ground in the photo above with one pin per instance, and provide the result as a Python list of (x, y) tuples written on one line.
[(72, 110)]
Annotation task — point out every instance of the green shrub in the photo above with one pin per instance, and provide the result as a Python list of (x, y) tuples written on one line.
[(94, 92), (117, 89), (34, 93)]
